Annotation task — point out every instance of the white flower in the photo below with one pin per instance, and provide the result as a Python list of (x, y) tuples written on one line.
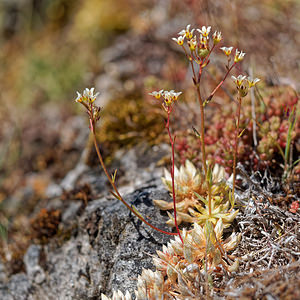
[(238, 80), (192, 44), (203, 40), (179, 40), (183, 31), (187, 32), (170, 96), (157, 95), (176, 95), (239, 55), (252, 82), (217, 37), (204, 30), (89, 93), (87, 96), (79, 97), (227, 50)]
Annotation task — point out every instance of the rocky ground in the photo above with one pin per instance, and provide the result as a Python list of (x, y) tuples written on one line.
[(101, 247), (69, 239)]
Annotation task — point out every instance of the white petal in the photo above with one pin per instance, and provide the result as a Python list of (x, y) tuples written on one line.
[(191, 169)]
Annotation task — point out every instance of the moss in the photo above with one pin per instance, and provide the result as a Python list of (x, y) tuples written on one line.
[(127, 122), (45, 225)]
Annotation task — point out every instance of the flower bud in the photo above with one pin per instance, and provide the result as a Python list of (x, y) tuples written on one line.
[(203, 52), (243, 90)]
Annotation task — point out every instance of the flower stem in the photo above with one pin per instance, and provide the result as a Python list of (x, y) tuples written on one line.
[(209, 98), (202, 132), (235, 152), (172, 141), (209, 201), (92, 128), (196, 83)]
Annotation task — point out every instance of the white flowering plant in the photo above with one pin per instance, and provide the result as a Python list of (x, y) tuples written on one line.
[(202, 196)]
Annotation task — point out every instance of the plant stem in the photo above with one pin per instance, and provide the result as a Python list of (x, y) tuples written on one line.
[(220, 84), (209, 200), (235, 152), (172, 141), (202, 132), (92, 128), (196, 80), (196, 83)]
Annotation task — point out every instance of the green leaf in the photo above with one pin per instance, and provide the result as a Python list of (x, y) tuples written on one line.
[(231, 199), (209, 175), (292, 122), (241, 133), (201, 198), (113, 177), (3, 232)]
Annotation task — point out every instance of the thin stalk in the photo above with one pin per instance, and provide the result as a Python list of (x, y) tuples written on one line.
[(208, 55), (92, 128), (209, 201), (253, 112), (206, 274), (202, 131), (196, 83), (292, 122), (172, 141), (219, 85), (202, 128), (235, 152), (196, 80)]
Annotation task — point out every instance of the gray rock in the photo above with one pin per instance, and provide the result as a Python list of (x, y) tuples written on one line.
[(106, 252), (2, 272), (32, 256), (71, 212), (69, 181), (31, 260), (18, 288)]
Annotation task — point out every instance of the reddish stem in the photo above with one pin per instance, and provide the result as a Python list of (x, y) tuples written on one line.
[(172, 141), (208, 55), (219, 85)]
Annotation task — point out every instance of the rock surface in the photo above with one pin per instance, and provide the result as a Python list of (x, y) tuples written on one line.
[(106, 250)]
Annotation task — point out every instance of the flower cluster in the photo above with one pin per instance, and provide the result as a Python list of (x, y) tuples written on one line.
[(240, 84), (87, 96), (200, 46), (87, 99), (168, 97)]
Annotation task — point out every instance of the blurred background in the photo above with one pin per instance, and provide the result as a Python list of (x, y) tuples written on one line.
[(49, 49)]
